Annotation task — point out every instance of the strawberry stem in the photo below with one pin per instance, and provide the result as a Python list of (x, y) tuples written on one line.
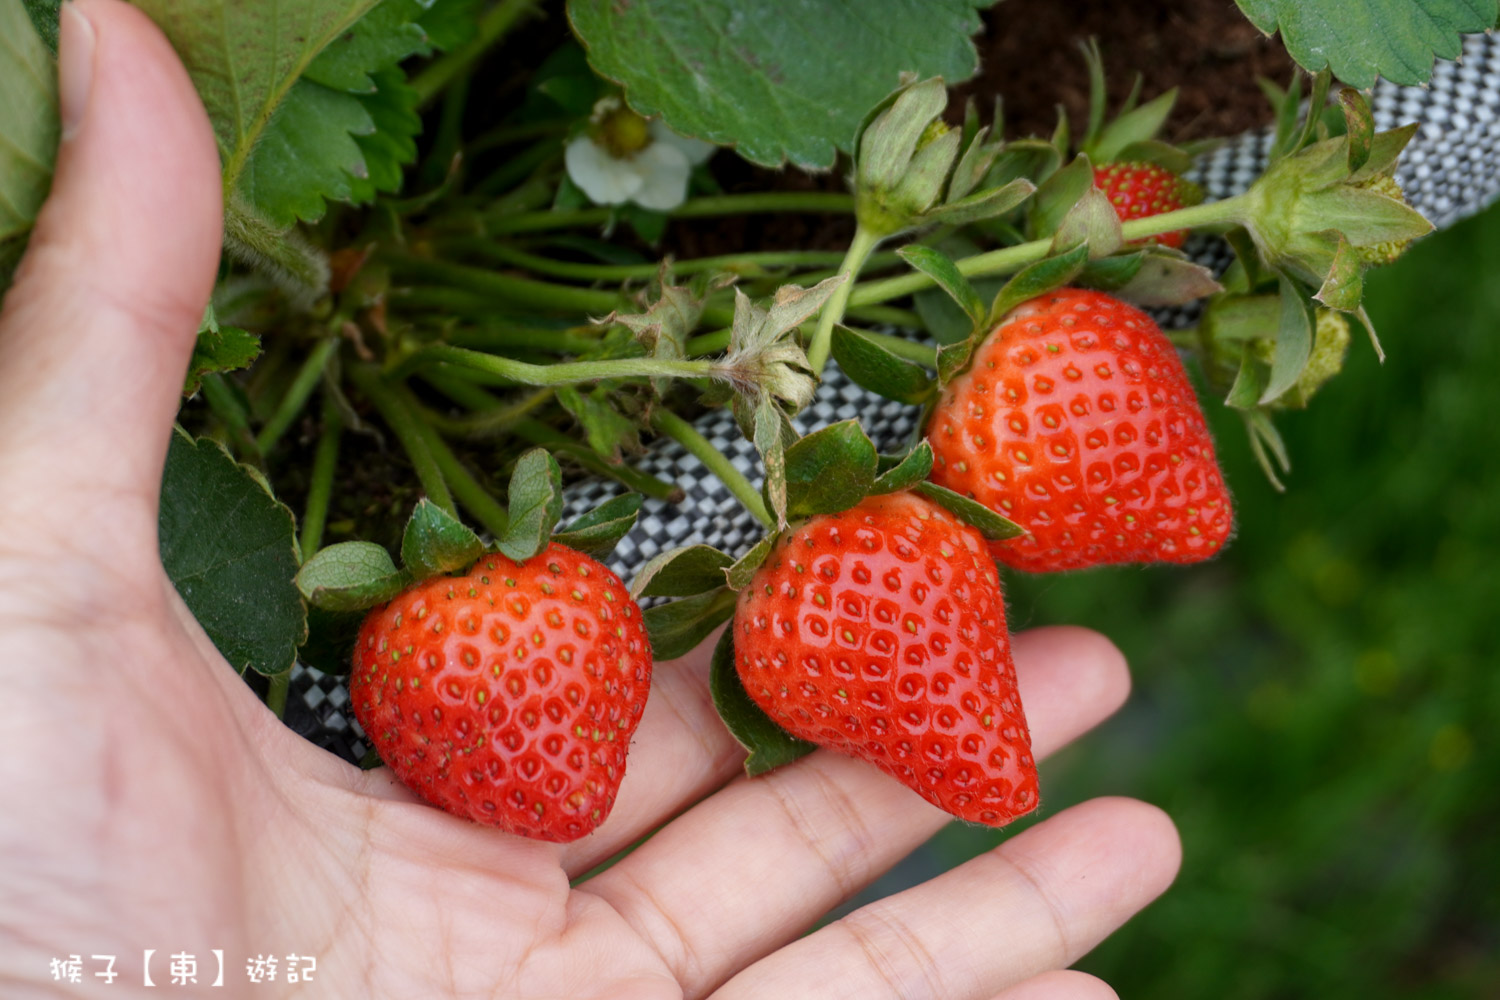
[(670, 424), (298, 394), (276, 693), (561, 373), (750, 203), (407, 427), (493, 27), (1008, 260), (860, 247), (320, 485)]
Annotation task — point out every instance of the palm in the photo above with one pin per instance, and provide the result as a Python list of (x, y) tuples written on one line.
[(153, 802)]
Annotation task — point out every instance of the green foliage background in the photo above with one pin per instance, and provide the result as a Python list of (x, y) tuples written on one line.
[(1316, 710)]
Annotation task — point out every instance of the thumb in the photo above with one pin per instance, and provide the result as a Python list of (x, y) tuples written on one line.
[(96, 332)]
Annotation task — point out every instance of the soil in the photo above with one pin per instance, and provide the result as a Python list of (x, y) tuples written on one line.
[(1029, 57)]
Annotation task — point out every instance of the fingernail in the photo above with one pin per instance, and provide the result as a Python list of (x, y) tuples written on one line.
[(75, 67)]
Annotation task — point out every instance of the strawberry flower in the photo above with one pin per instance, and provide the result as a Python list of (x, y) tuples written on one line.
[(624, 157)]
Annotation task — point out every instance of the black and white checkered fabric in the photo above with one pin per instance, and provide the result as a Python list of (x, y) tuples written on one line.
[(1450, 170)]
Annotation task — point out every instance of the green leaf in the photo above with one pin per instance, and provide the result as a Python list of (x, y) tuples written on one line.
[(350, 576), (1165, 279), (681, 572), (871, 365), (830, 470), (1249, 383), (600, 530), (775, 83), (379, 40), (990, 524), (738, 575), (1360, 39), (768, 744), (436, 542), (246, 58), (536, 501), (941, 269), (28, 120), (910, 471), (392, 108), (1294, 339), (219, 349), (607, 431), (230, 548), (676, 628), (44, 14)]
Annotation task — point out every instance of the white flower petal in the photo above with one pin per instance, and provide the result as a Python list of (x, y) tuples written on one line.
[(696, 150), (665, 171), (606, 180)]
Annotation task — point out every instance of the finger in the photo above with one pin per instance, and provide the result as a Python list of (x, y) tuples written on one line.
[(1061, 984), (1037, 902), (680, 753), (751, 867), (96, 331)]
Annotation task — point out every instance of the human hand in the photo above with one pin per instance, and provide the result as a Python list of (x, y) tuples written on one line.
[(151, 802)]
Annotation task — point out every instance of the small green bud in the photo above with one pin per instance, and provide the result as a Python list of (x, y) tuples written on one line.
[(905, 156)]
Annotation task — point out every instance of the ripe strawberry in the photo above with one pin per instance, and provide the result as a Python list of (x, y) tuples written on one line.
[(879, 632), (508, 695), (1076, 421), (1139, 189)]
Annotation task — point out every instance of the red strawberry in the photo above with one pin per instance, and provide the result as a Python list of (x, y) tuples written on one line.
[(1139, 189), (880, 633), (508, 695), (1076, 420)]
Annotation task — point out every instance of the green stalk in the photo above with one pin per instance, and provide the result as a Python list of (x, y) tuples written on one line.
[(226, 406), (561, 373), (472, 396), (504, 337), (407, 427), (507, 289), (860, 248), (668, 423), (276, 693), (1008, 260), (320, 488), (493, 26), (297, 395), (744, 264), (717, 342), (694, 208), (475, 498), (492, 418)]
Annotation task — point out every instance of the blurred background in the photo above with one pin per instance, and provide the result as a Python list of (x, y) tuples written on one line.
[(1316, 709)]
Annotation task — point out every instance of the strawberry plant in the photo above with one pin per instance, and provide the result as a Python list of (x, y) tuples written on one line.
[(447, 278)]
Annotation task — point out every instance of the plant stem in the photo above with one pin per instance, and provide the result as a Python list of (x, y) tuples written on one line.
[(685, 434), (694, 208), (320, 487), (227, 407), (860, 248), (407, 427), (718, 341), (1008, 260), (492, 417), (297, 395), (493, 27), (561, 373), (472, 396), (509, 290), (276, 693), (505, 337), (476, 499), (744, 264)]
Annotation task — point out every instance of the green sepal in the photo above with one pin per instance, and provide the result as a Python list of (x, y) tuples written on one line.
[(1249, 383), (536, 502), (981, 205), (1266, 445), (871, 365), (1166, 278), (681, 572), (1037, 279), (1134, 126), (912, 468), (1359, 126), (1385, 148), (1092, 222), (830, 470), (1109, 273), (1162, 154), (600, 530), (1057, 195), (945, 274), (1344, 287), (1294, 339), (677, 627), (991, 525), (739, 574), (1034, 159), (350, 576), (436, 542), (769, 746)]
